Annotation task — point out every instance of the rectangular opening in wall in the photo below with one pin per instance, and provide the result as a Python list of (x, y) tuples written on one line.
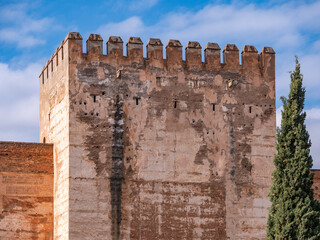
[(94, 98), (137, 101), (175, 104), (57, 59), (42, 78), (213, 107), (250, 109), (51, 66), (62, 53), (47, 72)]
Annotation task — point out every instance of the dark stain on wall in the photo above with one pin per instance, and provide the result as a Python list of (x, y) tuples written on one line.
[(117, 170)]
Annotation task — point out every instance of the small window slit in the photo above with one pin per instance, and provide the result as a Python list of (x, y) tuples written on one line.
[(250, 109)]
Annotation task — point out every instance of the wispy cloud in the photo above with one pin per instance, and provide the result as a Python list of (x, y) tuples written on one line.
[(22, 29), (134, 5), (19, 102)]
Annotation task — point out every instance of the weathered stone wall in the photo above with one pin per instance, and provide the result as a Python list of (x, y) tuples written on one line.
[(165, 148), (26, 191), (54, 128), (316, 184)]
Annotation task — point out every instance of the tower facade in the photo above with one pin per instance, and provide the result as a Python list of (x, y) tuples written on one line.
[(154, 148)]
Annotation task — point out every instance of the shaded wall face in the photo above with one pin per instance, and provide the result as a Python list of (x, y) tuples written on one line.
[(26, 191), (54, 129), (166, 149)]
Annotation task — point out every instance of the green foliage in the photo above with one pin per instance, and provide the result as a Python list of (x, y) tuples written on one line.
[(294, 214)]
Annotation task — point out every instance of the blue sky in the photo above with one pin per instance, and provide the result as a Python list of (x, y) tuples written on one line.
[(30, 31)]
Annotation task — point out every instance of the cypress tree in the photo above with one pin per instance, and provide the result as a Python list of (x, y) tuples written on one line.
[(294, 213)]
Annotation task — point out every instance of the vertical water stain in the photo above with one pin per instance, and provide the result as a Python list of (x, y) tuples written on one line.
[(233, 167), (117, 171)]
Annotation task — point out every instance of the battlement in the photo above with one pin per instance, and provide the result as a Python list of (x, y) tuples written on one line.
[(250, 58)]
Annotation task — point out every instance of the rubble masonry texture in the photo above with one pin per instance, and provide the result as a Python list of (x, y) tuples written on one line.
[(153, 148)]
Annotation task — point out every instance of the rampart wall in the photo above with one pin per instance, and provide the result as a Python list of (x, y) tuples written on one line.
[(26, 191)]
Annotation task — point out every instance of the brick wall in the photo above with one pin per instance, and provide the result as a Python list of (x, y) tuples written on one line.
[(26, 191)]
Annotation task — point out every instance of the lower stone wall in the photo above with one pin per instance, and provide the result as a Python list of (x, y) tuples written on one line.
[(26, 191), (171, 210), (150, 209)]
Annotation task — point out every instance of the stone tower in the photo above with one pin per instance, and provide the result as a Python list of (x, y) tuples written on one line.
[(154, 148)]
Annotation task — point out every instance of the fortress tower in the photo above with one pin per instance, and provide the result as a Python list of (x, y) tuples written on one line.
[(154, 148)]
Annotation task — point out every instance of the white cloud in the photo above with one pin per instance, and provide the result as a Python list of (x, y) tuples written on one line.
[(130, 27), (12, 35), (22, 29), (18, 81), (279, 116), (23, 112), (19, 103), (313, 114)]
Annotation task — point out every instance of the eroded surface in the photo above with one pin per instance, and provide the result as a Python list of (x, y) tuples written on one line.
[(165, 148)]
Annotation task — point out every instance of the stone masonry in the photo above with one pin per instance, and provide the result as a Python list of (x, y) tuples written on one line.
[(154, 148), (138, 147), (26, 191)]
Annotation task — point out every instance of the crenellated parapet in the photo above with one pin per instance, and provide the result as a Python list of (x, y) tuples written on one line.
[(250, 58)]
